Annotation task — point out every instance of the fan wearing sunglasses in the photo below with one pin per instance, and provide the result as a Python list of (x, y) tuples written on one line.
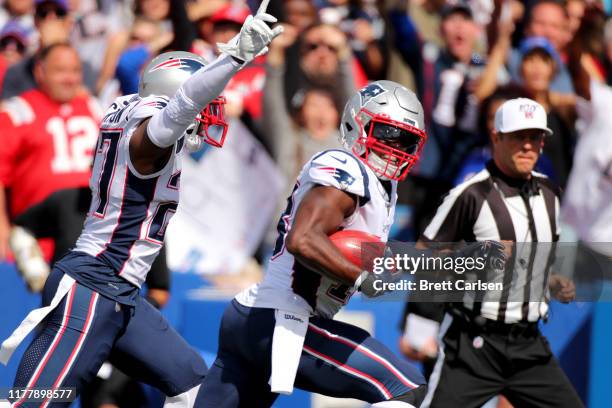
[(135, 191), (52, 21), (54, 24)]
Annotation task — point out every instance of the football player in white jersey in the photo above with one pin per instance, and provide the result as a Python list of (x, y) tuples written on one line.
[(92, 310), (280, 333)]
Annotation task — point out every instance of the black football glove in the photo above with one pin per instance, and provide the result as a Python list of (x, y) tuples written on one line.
[(492, 251)]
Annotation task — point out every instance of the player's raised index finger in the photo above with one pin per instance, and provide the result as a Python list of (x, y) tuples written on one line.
[(263, 7)]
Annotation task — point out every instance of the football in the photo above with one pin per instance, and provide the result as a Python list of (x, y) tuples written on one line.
[(359, 247)]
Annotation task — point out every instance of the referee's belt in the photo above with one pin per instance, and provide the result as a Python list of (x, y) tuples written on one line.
[(489, 326)]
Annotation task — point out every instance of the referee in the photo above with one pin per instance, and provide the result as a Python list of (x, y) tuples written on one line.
[(491, 344)]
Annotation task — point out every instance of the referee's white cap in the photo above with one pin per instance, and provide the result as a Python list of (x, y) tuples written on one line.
[(521, 114)]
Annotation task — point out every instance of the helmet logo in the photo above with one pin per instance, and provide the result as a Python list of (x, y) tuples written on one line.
[(179, 63), (370, 91)]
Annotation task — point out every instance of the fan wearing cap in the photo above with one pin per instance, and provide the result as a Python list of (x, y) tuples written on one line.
[(548, 19), (13, 46), (19, 12), (539, 64)]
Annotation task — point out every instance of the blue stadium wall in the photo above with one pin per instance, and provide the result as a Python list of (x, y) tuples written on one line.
[(578, 333)]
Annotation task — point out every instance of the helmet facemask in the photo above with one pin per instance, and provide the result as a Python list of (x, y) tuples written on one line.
[(390, 148), (210, 126)]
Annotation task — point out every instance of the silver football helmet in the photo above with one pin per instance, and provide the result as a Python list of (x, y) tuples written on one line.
[(164, 75), (384, 126)]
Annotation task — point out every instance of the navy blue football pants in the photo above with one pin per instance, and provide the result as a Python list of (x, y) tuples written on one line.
[(338, 359), (86, 329)]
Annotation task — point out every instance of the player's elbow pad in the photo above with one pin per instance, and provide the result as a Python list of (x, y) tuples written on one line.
[(169, 123)]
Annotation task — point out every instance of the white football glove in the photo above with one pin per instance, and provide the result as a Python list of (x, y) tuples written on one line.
[(29, 258), (254, 36)]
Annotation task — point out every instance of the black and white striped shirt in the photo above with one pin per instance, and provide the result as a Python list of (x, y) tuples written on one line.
[(493, 206)]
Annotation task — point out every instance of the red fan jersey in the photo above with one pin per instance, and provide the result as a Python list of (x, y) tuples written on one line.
[(45, 146)]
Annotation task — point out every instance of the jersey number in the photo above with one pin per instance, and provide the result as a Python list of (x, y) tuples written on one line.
[(161, 217), (107, 152), (72, 143)]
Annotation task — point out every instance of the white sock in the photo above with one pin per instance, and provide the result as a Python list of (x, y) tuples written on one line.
[(184, 400)]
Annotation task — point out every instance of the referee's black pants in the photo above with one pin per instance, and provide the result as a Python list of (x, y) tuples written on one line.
[(475, 364)]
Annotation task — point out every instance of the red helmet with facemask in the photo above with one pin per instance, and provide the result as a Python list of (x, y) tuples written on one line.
[(212, 127)]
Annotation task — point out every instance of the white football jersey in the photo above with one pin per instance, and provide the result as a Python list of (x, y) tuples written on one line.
[(290, 285), (129, 212)]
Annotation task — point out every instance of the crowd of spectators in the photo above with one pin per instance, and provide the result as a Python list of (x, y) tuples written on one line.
[(461, 57), (458, 56)]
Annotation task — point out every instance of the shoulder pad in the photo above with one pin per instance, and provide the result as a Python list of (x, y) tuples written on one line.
[(339, 169), (148, 106)]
